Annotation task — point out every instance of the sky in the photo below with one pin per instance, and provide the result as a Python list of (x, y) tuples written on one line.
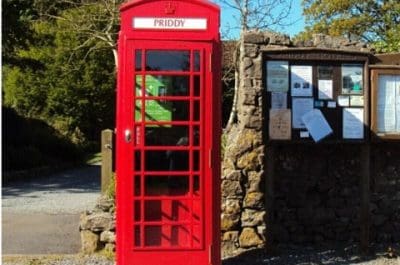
[(295, 19)]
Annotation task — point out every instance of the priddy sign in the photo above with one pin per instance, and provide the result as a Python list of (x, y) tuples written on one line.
[(170, 23)]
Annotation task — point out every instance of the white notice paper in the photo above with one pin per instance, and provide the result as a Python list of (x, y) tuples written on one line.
[(386, 104), (301, 82), (278, 100), (343, 101), (277, 76), (316, 124), (325, 89), (353, 123), (300, 106)]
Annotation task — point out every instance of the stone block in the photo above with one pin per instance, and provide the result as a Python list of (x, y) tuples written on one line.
[(249, 161), (253, 217), (249, 238), (229, 221), (251, 50), (104, 204), (254, 200), (97, 221), (254, 37), (231, 189), (230, 206), (107, 236), (90, 242)]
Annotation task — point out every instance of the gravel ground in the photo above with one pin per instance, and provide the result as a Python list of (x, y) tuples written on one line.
[(68, 192), (41, 216), (289, 255)]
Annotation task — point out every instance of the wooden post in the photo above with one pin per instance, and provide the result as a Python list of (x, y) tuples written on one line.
[(106, 158), (365, 194), (269, 196)]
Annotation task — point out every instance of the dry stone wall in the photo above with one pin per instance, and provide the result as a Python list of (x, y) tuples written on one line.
[(315, 196)]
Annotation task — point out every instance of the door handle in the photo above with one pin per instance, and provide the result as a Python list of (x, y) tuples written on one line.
[(128, 136)]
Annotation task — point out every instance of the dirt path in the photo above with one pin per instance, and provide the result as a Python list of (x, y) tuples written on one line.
[(42, 216)]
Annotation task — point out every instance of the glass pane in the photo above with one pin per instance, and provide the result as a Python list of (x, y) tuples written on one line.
[(138, 60), (137, 163), (163, 110), (196, 86), (196, 160), (137, 186), (196, 135), (152, 236), (167, 61), (137, 236), (163, 85), (196, 186), (180, 236), (166, 210), (196, 61), (137, 211), (352, 79), (164, 186), (170, 160), (171, 135), (196, 111)]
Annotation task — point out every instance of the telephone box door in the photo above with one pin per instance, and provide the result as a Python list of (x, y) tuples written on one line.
[(166, 170)]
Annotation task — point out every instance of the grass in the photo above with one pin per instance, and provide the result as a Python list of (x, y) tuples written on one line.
[(93, 159)]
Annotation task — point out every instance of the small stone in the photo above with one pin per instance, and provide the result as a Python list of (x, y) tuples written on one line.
[(253, 37), (107, 236), (90, 242), (254, 200), (230, 206), (229, 221), (253, 217), (97, 221), (248, 161), (231, 189), (104, 204), (109, 247), (249, 238)]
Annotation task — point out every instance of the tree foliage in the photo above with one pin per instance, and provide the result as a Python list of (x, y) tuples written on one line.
[(69, 81), (374, 21)]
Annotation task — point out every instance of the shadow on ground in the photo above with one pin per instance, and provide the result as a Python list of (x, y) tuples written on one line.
[(310, 255), (72, 181)]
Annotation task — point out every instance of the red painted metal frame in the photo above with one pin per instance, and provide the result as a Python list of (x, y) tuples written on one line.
[(207, 202)]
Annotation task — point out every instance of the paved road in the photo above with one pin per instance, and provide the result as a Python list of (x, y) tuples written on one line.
[(42, 216)]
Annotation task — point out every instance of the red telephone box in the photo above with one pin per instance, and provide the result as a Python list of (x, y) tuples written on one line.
[(168, 133)]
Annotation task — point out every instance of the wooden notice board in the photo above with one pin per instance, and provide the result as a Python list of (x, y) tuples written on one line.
[(302, 80), (385, 103)]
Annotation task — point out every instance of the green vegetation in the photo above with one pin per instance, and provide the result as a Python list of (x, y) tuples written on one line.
[(31, 143), (57, 77), (376, 22)]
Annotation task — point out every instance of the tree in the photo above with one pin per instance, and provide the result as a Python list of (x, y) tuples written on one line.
[(374, 21), (254, 14), (97, 22)]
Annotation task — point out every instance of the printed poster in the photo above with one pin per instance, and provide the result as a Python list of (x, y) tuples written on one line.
[(155, 110), (277, 76), (278, 100), (301, 81), (352, 79), (317, 125), (280, 127), (300, 106), (353, 123), (325, 89)]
